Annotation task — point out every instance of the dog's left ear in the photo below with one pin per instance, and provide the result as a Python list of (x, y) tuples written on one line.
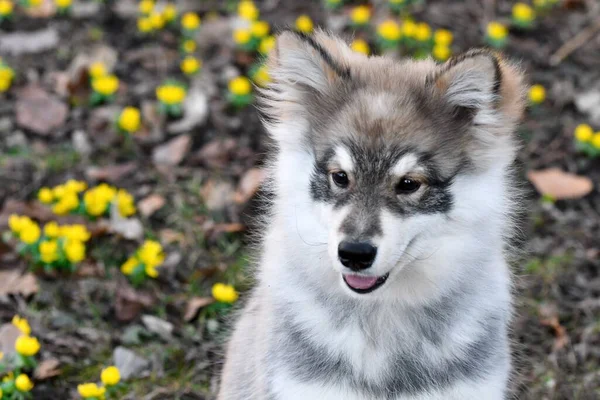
[(479, 84)]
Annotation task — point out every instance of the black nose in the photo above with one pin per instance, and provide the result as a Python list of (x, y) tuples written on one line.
[(356, 255)]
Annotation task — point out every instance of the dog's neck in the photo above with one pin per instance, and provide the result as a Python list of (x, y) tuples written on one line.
[(322, 335)]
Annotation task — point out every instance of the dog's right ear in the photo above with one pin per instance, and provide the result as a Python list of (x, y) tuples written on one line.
[(300, 63)]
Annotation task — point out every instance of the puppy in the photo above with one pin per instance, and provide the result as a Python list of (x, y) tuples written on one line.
[(383, 272)]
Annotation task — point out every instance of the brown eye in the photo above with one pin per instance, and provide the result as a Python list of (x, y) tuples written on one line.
[(340, 178), (407, 186)]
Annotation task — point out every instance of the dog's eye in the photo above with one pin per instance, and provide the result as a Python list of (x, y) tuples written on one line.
[(407, 186), (340, 178)]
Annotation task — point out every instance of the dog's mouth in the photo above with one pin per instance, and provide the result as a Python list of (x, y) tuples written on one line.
[(364, 284)]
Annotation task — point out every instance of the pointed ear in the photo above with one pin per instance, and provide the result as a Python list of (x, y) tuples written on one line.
[(303, 63), (480, 85)]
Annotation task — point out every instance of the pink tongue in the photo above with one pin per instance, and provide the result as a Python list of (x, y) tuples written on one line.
[(360, 282)]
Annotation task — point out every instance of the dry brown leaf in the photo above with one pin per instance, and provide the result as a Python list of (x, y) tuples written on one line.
[(560, 185), (111, 173), (151, 204), (8, 336), (548, 313), (560, 332), (47, 369), (172, 152), (194, 305), (249, 185), (169, 236), (13, 282), (130, 302), (46, 9), (40, 112), (216, 153)]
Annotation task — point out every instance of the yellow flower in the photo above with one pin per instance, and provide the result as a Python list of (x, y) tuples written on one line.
[(49, 251), (6, 73), (144, 25), (260, 29), (97, 200), (75, 251), (45, 195), (4, 85), (22, 324), (584, 133), (30, 233), (169, 13), (23, 383), (596, 140), (266, 45), (146, 6), (423, 32), (51, 230), (67, 203), (75, 186), (247, 10), (496, 31), (125, 203), (151, 253), (130, 119), (157, 20), (110, 376), (409, 28), (151, 271), (389, 30), (63, 4), (188, 46), (129, 265), (17, 223), (75, 232), (523, 12), (6, 7), (106, 85), (261, 76), (240, 86), (87, 390), (59, 191), (97, 70), (224, 293), (360, 15), (170, 94), (537, 94), (304, 24), (27, 345), (441, 52), (443, 37), (360, 46), (35, 3), (190, 65), (242, 36), (190, 21)]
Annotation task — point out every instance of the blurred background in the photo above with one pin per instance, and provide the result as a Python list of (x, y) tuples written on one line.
[(130, 155)]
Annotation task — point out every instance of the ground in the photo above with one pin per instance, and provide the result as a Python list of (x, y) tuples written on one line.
[(194, 185)]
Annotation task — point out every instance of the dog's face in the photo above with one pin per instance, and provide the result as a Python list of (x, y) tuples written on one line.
[(394, 164)]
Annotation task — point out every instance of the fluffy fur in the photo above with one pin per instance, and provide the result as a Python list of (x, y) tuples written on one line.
[(437, 328)]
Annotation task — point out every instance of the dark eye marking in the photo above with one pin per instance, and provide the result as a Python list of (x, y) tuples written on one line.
[(340, 178), (407, 185)]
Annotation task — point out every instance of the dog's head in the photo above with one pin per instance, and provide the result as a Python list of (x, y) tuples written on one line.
[(397, 168)]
